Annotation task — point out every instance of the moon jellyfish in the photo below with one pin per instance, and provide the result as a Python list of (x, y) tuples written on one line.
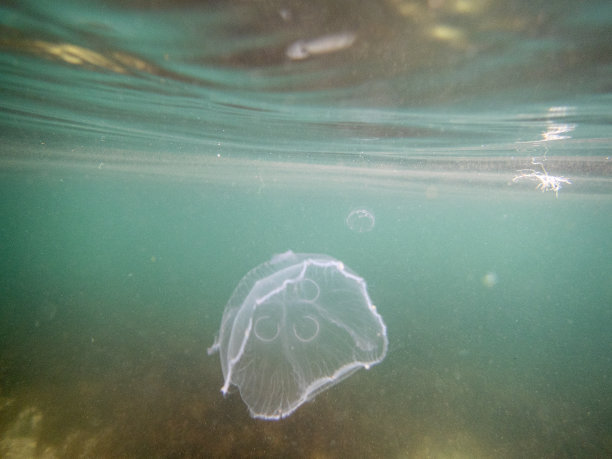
[(360, 221), (294, 327)]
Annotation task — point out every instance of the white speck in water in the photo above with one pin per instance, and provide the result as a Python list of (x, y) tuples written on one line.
[(490, 279)]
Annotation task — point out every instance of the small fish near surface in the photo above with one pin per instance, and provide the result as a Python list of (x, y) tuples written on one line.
[(325, 44)]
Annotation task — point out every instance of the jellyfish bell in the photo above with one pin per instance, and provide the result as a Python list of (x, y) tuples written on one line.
[(360, 220), (294, 327)]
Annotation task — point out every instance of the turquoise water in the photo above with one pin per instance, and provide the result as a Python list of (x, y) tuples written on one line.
[(153, 153)]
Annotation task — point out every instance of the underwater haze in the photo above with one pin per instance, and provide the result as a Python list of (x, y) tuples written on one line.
[(454, 153)]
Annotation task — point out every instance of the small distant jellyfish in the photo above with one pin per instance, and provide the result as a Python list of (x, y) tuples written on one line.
[(360, 221)]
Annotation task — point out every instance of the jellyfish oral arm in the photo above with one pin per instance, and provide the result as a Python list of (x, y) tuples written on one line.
[(315, 388), (236, 358), (214, 348)]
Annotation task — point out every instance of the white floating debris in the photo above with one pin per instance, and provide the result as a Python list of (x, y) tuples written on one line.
[(546, 182), (303, 49)]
